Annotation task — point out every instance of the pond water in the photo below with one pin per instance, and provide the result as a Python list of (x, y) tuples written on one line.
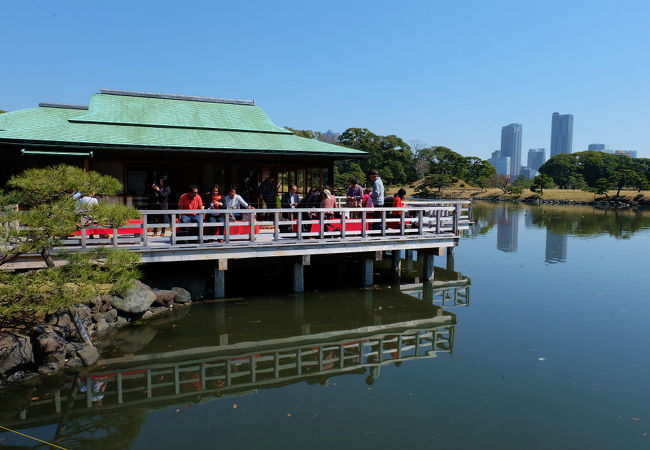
[(535, 335)]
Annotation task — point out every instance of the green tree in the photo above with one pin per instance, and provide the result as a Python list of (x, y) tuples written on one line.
[(49, 214), (437, 181), (601, 187), (624, 177), (541, 182), (560, 168), (577, 181)]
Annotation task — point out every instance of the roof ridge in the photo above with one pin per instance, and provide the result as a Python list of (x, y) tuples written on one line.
[(61, 105), (192, 98)]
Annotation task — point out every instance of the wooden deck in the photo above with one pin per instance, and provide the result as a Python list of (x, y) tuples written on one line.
[(421, 226)]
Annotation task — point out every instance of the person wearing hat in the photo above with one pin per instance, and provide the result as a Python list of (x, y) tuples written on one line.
[(328, 202), (377, 196)]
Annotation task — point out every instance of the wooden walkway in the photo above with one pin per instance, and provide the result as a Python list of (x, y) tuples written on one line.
[(241, 234)]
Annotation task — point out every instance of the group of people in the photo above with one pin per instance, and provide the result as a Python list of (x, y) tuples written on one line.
[(357, 196)]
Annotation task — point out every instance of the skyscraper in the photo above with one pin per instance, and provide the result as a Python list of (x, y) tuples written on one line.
[(561, 133), (536, 157), (501, 164), (511, 147)]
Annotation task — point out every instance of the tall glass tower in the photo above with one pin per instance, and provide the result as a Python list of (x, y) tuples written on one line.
[(561, 133), (511, 147)]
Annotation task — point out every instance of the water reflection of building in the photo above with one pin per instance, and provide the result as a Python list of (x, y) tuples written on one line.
[(556, 246), (231, 350), (507, 229)]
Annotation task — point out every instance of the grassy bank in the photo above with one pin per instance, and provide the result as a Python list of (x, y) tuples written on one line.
[(461, 190)]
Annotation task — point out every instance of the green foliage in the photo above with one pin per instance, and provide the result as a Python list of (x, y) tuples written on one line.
[(390, 155), (341, 179), (541, 182), (309, 134), (523, 182), (583, 170), (84, 276), (514, 189), (437, 181), (49, 213)]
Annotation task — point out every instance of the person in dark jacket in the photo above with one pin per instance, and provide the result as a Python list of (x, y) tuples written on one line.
[(289, 200), (311, 200), (159, 199)]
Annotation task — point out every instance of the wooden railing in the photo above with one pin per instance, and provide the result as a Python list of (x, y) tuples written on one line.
[(265, 225)]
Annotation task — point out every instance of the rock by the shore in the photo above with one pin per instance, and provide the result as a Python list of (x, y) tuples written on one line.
[(15, 352), (136, 300), (63, 323), (183, 295), (111, 315), (88, 354), (49, 350)]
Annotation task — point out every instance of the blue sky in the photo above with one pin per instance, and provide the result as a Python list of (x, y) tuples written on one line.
[(445, 73)]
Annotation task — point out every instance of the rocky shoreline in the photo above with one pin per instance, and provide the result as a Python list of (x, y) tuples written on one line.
[(45, 344)]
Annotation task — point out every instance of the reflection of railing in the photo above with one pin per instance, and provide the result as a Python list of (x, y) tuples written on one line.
[(155, 379), (446, 296)]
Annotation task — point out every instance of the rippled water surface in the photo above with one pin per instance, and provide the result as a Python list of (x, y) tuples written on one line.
[(535, 335)]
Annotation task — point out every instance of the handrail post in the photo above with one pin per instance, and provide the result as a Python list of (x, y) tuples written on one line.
[(469, 211), (251, 223), (363, 223), (321, 222), (83, 236), (299, 228), (420, 222), (383, 223), (276, 226), (343, 225), (200, 225), (226, 229), (114, 237), (402, 223), (173, 221), (438, 218), (145, 236), (456, 219)]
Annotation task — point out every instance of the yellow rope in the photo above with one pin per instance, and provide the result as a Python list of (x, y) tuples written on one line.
[(44, 442)]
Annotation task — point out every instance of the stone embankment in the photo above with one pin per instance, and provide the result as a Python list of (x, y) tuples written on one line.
[(52, 342)]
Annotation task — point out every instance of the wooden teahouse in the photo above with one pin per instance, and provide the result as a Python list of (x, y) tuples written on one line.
[(137, 137)]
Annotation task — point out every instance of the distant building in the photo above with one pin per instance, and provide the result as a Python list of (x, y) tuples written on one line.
[(556, 246), (496, 154), (511, 147), (561, 133), (536, 158), (502, 165), (529, 172), (596, 148), (628, 153), (330, 137)]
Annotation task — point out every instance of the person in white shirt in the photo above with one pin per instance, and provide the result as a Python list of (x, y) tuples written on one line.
[(235, 201)]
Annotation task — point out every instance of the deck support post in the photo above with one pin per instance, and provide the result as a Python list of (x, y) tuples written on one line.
[(220, 278), (427, 292), (367, 268), (450, 261), (451, 251), (298, 272), (395, 265), (427, 266)]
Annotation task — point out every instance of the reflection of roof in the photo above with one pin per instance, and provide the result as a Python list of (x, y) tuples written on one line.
[(127, 119)]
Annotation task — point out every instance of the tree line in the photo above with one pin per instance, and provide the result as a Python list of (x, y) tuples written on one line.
[(400, 163), (597, 172)]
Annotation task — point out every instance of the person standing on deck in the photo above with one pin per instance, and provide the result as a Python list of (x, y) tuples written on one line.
[(377, 195), (158, 199)]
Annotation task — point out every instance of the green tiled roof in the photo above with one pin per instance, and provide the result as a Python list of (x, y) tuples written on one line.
[(160, 124), (36, 117)]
